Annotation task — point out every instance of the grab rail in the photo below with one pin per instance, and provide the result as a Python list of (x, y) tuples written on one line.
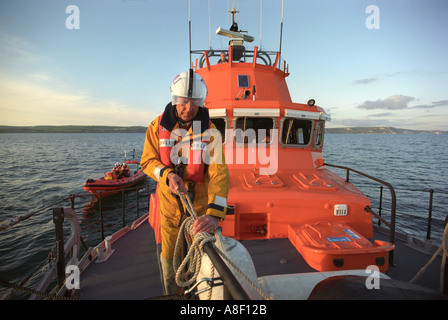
[(72, 244), (63, 248), (393, 209)]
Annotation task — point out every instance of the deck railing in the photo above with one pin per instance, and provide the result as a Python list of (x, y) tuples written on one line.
[(71, 244), (126, 208), (393, 208)]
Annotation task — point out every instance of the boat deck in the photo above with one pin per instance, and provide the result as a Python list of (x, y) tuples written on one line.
[(132, 271)]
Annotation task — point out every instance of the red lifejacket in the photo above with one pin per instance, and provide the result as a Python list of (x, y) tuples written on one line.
[(195, 164)]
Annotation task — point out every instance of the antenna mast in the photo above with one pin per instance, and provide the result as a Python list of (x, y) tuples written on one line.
[(189, 29), (281, 30), (209, 25), (261, 14)]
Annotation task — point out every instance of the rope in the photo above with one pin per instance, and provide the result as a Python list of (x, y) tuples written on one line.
[(193, 258), (186, 276), (33, 292), (444, 249)]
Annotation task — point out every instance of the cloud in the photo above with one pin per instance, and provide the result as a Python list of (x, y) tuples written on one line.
[(394, 102), (27, 103), (365, 81), (14, 48), (435, 104), (384, 114)]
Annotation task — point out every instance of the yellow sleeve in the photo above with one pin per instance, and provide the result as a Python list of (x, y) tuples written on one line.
[(150, 160), (218, 186)]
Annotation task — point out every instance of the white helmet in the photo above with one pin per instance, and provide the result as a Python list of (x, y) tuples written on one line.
[(188, 84)]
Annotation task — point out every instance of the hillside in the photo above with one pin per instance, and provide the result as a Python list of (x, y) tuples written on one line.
[(139, 129), (381, 130), (71, 129)]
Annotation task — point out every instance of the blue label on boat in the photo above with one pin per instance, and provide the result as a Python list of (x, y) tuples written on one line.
[(352, 234), (338, 239)]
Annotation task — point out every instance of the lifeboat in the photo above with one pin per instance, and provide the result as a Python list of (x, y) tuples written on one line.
[(283, 203), (280, 186), (114, 182)]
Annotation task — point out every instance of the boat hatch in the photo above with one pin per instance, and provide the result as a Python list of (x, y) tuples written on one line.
[(312, 182), (328, 246), (252, 180)]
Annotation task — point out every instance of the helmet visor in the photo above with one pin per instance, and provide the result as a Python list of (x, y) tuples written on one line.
[(198, 102)]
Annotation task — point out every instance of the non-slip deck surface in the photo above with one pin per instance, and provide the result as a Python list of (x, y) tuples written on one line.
[(132, 272)]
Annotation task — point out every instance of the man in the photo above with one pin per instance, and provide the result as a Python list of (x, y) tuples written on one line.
[(223, 58), (185, 122)]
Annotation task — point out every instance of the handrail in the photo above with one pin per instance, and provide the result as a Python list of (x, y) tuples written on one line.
[(264, 56), (73, 242), (393, 209), (63, 248)]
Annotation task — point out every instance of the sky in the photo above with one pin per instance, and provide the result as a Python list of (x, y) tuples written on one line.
[(111, 62)]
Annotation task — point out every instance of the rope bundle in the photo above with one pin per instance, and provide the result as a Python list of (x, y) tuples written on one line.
[(187, 276), (188, 270)]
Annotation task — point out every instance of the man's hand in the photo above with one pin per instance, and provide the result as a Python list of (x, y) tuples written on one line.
[(176, 183), (205, 223)]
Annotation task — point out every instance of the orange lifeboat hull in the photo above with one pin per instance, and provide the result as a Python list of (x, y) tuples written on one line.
[(106, 185)]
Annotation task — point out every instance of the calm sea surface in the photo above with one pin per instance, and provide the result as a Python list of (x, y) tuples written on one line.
[(41, 169)]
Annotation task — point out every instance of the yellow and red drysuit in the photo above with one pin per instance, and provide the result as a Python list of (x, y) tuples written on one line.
[(210, 192)]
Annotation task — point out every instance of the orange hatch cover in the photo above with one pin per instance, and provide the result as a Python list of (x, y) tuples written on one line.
[(328, 246)]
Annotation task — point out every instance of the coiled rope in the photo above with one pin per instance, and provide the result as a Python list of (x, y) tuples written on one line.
[(187, 276), (444, 249)]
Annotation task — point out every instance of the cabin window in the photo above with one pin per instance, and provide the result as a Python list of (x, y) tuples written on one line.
[(296, 132), (253, 129), (221, 125), (319, 134)]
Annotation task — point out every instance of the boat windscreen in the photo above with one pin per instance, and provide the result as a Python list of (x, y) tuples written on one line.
[(296, 132), (253, 129)]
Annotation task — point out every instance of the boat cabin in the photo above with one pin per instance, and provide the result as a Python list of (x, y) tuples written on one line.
[(261, 128), (279, 184)]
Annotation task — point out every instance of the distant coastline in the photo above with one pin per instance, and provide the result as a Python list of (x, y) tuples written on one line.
[(140, 129), (382, 130), (72, 129)]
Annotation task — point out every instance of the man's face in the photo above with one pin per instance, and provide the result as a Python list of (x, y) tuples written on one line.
[(187, 108)]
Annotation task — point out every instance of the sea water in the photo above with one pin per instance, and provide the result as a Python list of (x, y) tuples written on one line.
[(40, 169)]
